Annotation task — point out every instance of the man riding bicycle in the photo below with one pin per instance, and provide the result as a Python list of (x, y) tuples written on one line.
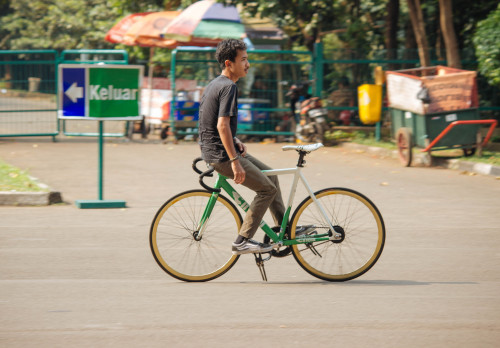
[(218, 120)]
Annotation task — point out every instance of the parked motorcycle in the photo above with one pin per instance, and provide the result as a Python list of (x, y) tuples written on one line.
[(313, 121), (310, 117)]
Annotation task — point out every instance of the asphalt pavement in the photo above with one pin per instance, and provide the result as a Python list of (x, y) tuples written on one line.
[(74, 277)]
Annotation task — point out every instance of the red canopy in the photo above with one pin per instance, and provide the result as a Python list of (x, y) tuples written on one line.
[(117, 33)]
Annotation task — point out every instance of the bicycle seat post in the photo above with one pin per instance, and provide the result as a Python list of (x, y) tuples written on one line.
[(301, 161)]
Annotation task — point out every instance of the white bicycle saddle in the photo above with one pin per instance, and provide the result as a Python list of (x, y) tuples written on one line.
[(305, 148)]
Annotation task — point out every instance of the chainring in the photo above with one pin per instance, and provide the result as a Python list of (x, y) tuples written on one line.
[(278, 253)]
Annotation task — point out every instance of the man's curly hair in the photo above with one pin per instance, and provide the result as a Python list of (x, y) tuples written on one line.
[(228, 50)]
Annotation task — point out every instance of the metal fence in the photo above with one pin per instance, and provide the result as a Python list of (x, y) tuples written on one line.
[(28, 105), (28, 92), (264, 106), (263, 109), (357, 68), (28, 87)]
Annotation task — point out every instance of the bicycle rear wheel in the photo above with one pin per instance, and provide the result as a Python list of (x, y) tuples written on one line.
[(352, 215), (176, 245)]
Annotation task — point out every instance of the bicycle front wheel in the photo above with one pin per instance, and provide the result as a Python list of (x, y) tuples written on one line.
[(177, 245), (352, 215)]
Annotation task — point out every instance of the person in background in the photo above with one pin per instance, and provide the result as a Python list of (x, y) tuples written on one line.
[(343, 96)]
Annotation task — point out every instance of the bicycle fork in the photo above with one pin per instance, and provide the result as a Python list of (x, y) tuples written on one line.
[(202, 225)]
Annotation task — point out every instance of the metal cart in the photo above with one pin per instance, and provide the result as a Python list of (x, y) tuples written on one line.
[(435, 108), (458, 129)]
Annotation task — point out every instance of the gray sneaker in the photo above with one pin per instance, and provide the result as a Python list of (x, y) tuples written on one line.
[(250, 246), (304, 230)]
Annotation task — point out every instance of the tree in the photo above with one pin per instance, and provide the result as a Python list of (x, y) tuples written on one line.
[(487, 44), (65, 24), (391, 34), (57, 24), (302, 20), (450, 39), (466, 21), (417, 21), (4, 10)]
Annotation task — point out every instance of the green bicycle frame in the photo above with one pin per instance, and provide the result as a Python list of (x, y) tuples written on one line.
[(222, 183)]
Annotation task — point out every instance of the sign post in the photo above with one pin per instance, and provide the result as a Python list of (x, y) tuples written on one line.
[(100, 93)]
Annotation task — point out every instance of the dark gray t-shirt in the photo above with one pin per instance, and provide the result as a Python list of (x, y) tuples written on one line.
[(220, 99)]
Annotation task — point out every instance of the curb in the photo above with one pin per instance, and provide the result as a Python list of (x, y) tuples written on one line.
[(480, 168), (418, 159), (14, 198), (30, 198)]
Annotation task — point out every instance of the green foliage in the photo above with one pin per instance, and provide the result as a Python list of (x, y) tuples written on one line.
[(66, 24), (57, 24), (466, 21), (347, 28), (303, 20), (487, 43), (340, 135), (337, 135)]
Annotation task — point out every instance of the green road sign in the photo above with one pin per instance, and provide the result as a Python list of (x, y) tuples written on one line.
[(102, 93), (107, 92), (113, 92)]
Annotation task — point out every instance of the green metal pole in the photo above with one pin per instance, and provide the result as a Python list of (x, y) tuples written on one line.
[(101, 162), (172, 86), (56, 68), (318, 64), (100, 202), (377, 130)]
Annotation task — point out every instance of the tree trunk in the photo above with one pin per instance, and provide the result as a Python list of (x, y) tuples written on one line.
[(410, 46), (439, 44), (391, 39), (417, 22), (450, 39)]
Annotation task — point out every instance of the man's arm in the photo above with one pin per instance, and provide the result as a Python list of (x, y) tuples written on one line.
[(227, 140)]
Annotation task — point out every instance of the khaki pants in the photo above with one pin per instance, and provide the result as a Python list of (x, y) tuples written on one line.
[(267, 189)]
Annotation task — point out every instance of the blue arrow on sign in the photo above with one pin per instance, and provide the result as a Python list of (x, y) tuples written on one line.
[(74, 92)]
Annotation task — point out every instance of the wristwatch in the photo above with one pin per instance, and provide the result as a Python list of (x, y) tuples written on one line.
[(234, 159)]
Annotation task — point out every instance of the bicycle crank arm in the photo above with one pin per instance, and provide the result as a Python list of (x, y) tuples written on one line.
[(277, 245)]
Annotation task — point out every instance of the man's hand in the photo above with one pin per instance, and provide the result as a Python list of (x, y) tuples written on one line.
[(238, 171), (242, 147)]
